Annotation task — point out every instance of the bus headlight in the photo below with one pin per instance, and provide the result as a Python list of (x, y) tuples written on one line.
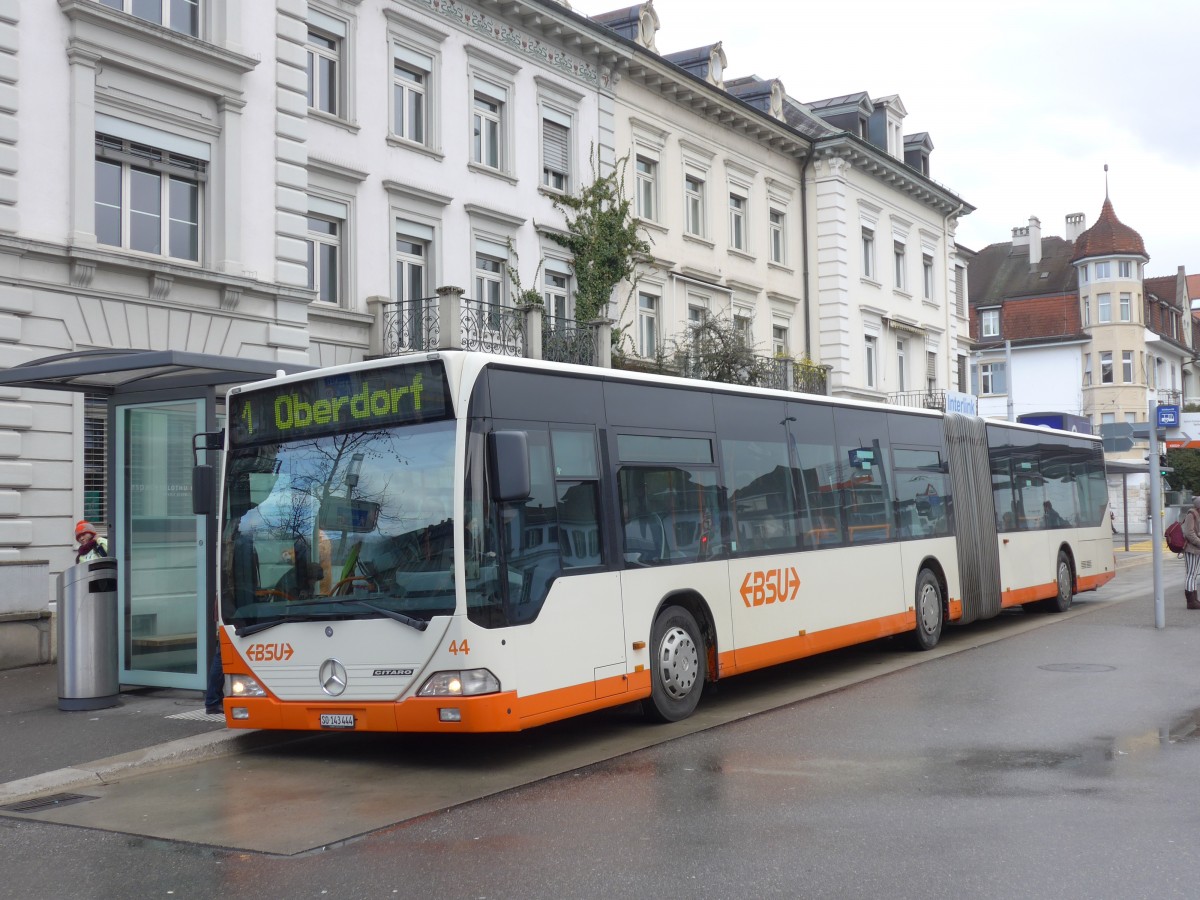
[(465, 683), (245, 686)]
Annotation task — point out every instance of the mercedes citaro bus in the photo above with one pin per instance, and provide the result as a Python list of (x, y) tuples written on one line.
[(456, 541)]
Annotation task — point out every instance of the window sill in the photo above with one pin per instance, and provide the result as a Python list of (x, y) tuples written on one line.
[(781, 267), (337, 312), (405, 144), (870, 281), (329, 119), (900, 292), (653, 225), (491, 173), (696, 239), (742, 254), (224, 67), (551, 192)]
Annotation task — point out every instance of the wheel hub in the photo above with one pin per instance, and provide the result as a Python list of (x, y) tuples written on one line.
[(678, 663), (927, 609)]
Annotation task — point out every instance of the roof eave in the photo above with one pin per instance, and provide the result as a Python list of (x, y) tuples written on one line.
[(897, 174)]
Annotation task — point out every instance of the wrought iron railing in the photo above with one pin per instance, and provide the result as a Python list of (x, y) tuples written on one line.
[(491, 328), (928, 399), (745, 368), (810, 378), (565, 340), (776, 371), (1169, 397), (410, 326)]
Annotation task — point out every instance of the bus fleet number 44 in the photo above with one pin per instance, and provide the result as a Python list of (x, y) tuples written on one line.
[(770, 586)]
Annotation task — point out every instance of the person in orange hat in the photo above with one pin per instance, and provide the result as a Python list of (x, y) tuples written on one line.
[(88, 544)]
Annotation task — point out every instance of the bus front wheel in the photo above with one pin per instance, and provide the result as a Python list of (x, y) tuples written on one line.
[(1064, 580), (929, 611), (678, 666)]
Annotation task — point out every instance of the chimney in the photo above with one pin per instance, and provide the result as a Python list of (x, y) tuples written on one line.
[(1076, 225), (1020, 236), (1035, 241)]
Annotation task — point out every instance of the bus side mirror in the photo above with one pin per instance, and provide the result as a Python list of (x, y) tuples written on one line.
[(508, 462), (204, 483), (203, 490)]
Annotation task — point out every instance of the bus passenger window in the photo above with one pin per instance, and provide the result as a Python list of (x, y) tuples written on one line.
[(671, 514), (577, 472)]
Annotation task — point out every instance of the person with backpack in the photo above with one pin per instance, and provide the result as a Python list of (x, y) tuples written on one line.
[(1191, 553)]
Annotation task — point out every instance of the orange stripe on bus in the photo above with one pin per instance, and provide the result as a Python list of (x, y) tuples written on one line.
[(762, 655), (1028, 595), (1091, 582)]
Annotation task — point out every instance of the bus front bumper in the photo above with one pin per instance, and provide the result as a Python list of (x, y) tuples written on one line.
[(487, 713)]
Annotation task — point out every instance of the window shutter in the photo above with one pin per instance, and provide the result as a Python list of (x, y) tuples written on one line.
[(554, 146)]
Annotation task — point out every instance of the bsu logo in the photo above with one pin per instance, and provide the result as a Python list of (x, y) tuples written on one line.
[(771, 586)]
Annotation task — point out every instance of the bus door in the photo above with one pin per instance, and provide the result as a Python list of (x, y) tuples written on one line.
[(567, 604)]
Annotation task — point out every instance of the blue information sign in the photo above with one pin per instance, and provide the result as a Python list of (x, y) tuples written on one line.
[(1168, 417)]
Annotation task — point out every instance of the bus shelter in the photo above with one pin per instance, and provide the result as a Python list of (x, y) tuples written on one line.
[(157, 400)]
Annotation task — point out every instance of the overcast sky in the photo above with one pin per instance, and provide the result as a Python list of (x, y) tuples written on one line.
[(1025, 101)]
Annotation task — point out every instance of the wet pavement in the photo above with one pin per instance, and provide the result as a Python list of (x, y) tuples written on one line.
[(1058, 760)]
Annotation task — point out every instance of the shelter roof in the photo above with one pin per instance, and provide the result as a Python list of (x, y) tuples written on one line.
[(130, 371)]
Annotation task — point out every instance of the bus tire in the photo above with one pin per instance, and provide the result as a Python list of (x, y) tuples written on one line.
[(930, 612), (678, 666), (1065, 580)]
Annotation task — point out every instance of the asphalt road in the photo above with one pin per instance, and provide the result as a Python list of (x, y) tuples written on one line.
[(1058, 760)]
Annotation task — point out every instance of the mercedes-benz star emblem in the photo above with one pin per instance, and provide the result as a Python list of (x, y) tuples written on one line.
[(333, 677)]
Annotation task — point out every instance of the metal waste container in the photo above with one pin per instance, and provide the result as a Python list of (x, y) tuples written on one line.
[(88, 667)]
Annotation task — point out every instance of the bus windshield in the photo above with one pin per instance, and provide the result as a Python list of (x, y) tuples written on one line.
[(346, 525)]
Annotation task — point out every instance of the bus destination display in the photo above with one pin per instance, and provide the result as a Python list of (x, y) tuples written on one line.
[(351, 401)]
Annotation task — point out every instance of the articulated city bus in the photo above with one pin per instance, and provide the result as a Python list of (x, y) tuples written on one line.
[(462, 542)]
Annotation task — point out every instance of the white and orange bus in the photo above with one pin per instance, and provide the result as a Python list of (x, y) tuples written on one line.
[(462, 542)]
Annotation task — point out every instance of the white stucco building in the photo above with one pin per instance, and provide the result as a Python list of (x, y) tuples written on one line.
[(284, 182)]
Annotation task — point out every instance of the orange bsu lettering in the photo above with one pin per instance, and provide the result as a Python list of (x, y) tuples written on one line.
[(771, 586), (269, 652)]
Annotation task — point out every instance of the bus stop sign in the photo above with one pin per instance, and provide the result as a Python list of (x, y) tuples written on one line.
[(1168, 417)]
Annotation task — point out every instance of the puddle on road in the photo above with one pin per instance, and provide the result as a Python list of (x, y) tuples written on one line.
[(1101, 758)]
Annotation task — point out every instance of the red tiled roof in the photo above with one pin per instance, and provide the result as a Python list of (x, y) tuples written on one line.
[(1108, 236), (1034, 318), (1161, 286)]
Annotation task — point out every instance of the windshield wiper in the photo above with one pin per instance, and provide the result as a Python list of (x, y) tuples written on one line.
[(418, 624), (244, 630)]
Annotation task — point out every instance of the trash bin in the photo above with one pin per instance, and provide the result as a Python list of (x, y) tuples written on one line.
[(88, 668)]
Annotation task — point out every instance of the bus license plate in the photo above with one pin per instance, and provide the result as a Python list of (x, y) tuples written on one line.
[(337, 720)]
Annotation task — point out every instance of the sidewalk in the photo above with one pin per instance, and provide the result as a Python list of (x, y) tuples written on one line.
[(43, 748)]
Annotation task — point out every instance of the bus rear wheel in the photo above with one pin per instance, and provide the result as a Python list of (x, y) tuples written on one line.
[(678, 666), (929, 610)]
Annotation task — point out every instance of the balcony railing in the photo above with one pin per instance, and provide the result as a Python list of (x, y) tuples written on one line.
[(1169, 397), (779, 373), (929, 399), (451, 321), (491, 328), (565, 340), (408, 326)]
